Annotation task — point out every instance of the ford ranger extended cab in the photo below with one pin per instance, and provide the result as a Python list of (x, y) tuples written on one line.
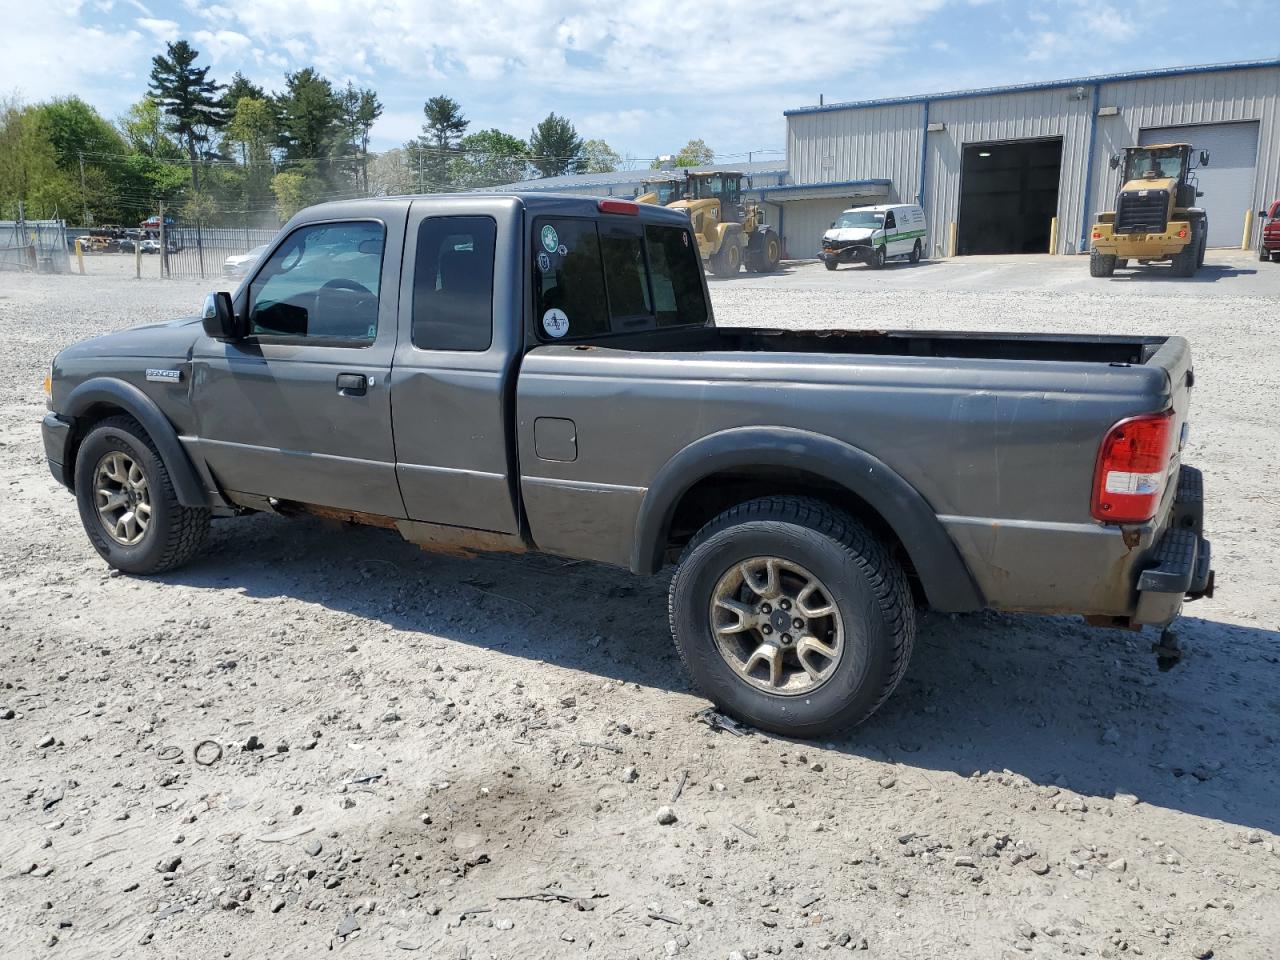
[(524, 372)]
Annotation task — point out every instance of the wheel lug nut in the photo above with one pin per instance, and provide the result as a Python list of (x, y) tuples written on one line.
[(786, 604), (766, 608), (786, 638), (766, 629), (797, 623)]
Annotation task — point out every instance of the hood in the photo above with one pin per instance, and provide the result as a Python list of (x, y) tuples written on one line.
[(848, 234), (1156, 183), (172, 341)]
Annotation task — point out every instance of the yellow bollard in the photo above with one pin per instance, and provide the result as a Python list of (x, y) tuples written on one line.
[(952, 239), (1053, 235), (1248, 229), (80, 255)]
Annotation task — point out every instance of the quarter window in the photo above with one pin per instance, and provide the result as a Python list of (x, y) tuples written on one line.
[(322, 284), (453, 284)]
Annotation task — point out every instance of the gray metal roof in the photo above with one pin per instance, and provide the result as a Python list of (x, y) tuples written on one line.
[(1046, 85), (619, 177)]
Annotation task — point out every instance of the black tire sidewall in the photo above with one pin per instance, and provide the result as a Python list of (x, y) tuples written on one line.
[(146, 555), (855, 687)]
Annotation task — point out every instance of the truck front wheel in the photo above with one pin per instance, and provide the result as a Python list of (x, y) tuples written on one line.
[(1101, 264), (127, 502), (791, 616)]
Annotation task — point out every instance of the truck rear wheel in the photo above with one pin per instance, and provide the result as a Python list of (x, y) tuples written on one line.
[(791, 616), (915, 253), (1101, 264), (127, 502)]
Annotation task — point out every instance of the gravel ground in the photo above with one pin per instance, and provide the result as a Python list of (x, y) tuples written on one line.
[(471, 758)]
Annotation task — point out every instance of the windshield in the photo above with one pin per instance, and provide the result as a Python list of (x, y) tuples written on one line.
[(668, 192), (870, 219), (1153, 164)]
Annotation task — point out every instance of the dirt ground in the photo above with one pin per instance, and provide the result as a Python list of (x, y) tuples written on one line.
[(445, 758)]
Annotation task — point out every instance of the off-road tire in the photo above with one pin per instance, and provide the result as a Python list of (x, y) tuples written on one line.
[(877, 259), (867, 586), (770, 252), (727, 261), (1122, 264), (174, 532), (915, 253), (1204, 243), (1101, 264), (831, 264), (1185, 260)]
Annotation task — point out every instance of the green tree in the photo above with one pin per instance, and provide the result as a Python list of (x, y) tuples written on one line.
[(293, 191), (599, 157), (145, 130), (555, 147), (185, 92), (695, 153), (432, 153), (489, 158), (310, 118), (360, 110), (29, 171), (253, 132), (92, 156), (239, 88)]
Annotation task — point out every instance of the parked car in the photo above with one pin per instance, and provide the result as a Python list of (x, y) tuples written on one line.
[(149, 245), (875, 235), (238, 264), (1269, 248), (812, 487)]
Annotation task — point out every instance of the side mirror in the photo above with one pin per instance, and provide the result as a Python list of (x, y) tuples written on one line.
[(1262, 214), (1114, 161), (1204, 158), (219, 318), (833, 223)]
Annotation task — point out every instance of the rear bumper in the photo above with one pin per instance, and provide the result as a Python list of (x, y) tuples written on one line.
[(1181, 564), (56, 433), (1142, 246)]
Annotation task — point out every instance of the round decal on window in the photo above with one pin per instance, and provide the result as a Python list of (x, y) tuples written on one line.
[(555, 322), (550, 239)]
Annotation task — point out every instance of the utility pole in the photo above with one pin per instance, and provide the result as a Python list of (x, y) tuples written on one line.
[(84, 203), (164, 247)]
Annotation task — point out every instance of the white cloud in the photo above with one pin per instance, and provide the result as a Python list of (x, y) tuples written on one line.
[(221, 45), (163, 30)]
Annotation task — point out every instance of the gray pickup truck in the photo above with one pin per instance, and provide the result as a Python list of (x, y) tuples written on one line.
[(533, 373)]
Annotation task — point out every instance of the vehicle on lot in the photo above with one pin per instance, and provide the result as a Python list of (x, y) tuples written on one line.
[(149, 245), (663, 189), (1156, 217), (239, 264), (875, 235), (1269, 244), (730, 228), (812, 486)]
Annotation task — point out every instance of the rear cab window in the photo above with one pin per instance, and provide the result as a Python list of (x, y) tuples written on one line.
[(595, 278)]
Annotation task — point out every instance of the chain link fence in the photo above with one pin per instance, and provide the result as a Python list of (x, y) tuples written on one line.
[(34, 246)]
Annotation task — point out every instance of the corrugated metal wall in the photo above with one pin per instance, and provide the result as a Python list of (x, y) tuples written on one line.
[(1012, 116), (884, 141), (868, 144)]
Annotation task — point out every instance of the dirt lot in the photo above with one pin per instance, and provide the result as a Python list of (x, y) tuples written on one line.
[(408, 742)]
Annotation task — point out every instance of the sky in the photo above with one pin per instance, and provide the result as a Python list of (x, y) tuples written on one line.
[(645, 76)]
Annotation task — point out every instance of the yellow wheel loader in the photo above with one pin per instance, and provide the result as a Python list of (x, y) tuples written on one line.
[(662, 190), (730, 230), (1156, 217)]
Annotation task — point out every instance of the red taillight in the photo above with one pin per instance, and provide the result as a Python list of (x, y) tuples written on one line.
[(620, 206), (1182, 233), (1132, 467), (1097, 235)]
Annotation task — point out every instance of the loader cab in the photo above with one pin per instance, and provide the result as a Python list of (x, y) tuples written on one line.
[(1157, 164), (724, 187), (662, 190)]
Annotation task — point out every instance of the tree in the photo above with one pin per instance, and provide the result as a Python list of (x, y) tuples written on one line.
[(253, 131), (555, 147), (430, 155), (310, 117), (599, 157), (360, 109), (185, 92), (29, 171), (293, 191), (145, 131), (389, 174), (489, 158), (239, 88), (695, 153)]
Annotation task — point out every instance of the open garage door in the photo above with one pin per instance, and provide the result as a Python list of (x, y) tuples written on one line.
[(1228, 181), (1008, 196)]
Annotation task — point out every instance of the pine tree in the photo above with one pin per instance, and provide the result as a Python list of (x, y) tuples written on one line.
[(185, 92), (432, 152), (555, 147)]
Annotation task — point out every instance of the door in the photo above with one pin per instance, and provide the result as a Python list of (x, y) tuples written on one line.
[(300, 409), (452, 386), (1228, 181), (892, 244)]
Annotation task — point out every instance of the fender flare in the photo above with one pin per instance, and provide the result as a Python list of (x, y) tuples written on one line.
[(946, 579), (119, 393)]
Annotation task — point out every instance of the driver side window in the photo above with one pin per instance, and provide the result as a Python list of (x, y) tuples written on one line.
[(321, 284), (889, 222)]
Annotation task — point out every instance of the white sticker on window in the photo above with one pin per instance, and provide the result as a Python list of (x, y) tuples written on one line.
[(550, 239), (544, 262), (563, 250), (555, 322)]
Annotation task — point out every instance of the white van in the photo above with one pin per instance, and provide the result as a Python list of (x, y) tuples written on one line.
[(874, 235)]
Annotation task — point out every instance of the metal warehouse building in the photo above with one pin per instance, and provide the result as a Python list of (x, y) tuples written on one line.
[(626, 183), (993, 167)]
